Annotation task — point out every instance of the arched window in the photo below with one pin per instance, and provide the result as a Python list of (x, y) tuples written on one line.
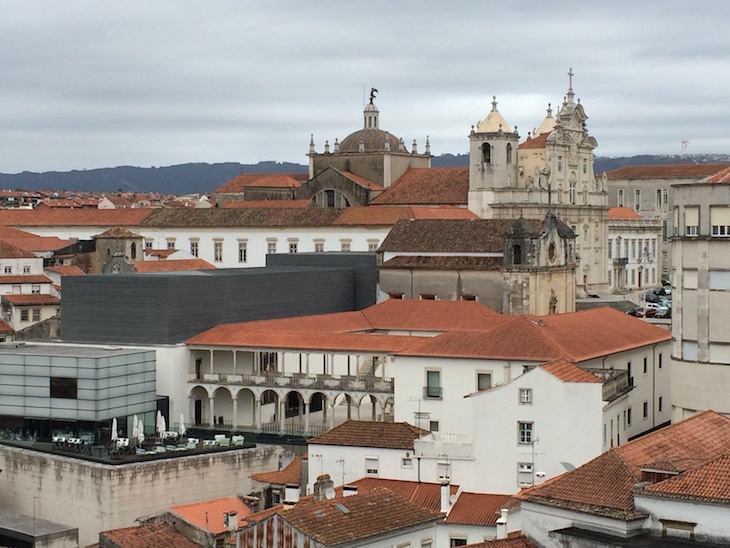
[(486, 153), (509, 153), (330, 197), (517, 254), (133, 251)]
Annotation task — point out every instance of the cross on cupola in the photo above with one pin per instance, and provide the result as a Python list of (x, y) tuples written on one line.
[(570, 85)]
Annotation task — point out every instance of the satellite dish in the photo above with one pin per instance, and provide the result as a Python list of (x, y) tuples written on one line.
[(329, 494)]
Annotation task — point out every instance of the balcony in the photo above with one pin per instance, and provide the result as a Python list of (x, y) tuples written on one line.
[(366, 383), (617, 385), (620, 261), (433, 392)]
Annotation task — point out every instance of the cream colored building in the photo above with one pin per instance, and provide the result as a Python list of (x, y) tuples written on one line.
[(700, 377), (552, 170)]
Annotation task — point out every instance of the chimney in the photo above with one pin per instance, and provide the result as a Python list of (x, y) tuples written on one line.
[(445, 496), (349, 490), (291, 495), (230, 520), (322, 486), (502, 524)]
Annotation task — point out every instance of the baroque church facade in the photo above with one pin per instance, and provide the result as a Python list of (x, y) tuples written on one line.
[(551, 171)]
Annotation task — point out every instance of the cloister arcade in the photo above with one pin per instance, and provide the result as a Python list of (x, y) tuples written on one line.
[(296, 392)]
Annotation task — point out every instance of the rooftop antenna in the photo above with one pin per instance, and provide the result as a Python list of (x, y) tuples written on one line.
[(685, 142)]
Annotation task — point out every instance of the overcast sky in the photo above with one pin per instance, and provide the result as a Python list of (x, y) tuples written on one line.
[(88, 84)]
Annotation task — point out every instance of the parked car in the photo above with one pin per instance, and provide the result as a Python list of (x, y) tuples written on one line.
[(652, 297), (649, 312), (660, 311), (636, 312)]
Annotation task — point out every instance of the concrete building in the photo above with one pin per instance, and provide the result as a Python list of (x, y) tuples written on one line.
[(647, 190), (30, 532), (634, 260), (701, 296)]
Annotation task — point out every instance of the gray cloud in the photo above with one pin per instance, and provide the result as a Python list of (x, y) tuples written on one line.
[(89, 84)]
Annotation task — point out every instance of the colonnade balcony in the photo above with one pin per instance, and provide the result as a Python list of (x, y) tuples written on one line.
[(274, 379)]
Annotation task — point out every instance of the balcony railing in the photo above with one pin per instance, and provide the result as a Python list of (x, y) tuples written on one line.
[(617, 385), (367, 383), (620, 261), (433, 392)]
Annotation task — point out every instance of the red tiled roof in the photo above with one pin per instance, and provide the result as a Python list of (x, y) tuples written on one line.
[(340, 520), (427, 495), (67, 270), (269, 203), (707, 483), (428, 186), (720, 177), (362, 181), (162, 253), (261, 216), (210, 514), (118, 232), (5, 328), (9, 251), (477, 508), (27, 279), (290, 475), (384, 435), (27, 300), (261, 180), (668, 171), (515, 542), (389, 215), (569, 372), (172, 265), (536, 142), (153, 535), (73, 217), (442, 262), (448, 236), (417, 315), (623, 214), (604, 486)]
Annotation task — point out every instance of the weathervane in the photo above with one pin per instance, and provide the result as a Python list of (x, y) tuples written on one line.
[(373, 91)]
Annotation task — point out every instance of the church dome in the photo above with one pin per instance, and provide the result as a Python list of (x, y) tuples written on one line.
[(373, 139), (494, 121)]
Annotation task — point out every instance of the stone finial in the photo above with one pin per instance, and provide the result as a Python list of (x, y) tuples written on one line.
[(549, 111), (414, 149), (311, 143), (337, 146), (428, 146), (327, 147), (494, 102)]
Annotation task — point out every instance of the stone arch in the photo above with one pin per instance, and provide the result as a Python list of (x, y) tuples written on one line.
[(318, 408), (245, 412), (269, 406), (347, 401), (294, 405), (199, 405), (373, 403), (223, 407), (487, 153), (389, 409)]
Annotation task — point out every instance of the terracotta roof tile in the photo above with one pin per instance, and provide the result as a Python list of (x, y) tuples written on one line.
[(668, 171), (5, 328), (172, 265), (290, 475), (161, 253), (604, 486), (443, 263), (210, 514), (28, 300), (516, 542), (27, 279), (261, 180), (221, 217), (569, 372), (385, 435), (73, 217), (623, 214), (477, 508), (720, 177), (707, 483), (118, 232), (536, 142), (389, 215), (153, 535), (416, 315), (362, 181), (366, 515), (427, 495), (428, 186), (279, 204), (9, 251), (66, 270), (447, 236)]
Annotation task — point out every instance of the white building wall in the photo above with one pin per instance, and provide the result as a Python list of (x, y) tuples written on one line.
[(16, 265), (713, 521)]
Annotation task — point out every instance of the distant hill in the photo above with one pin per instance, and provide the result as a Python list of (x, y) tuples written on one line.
[(202, 178)]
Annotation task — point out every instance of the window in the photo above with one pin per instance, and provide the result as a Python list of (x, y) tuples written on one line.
[(484, 381), (525, 396), (36, 314), (293, 246), (427, 543), (659, 404), (406, 462), (194, 248), (24, 315), (691, 221), (427, 297), (637, 199), (271, 247), (646, 410), (171, 243), (620, 197), (524, 474), (720, 220), (466, 297), (8, 270), (509, 153), (218, 251), (318, 247), (645, 366), (371, 466), (395, 295), (372, 245), (525, 432), (35, 289), (345, 245), (660, 361), (63, 387), (628, 416), (148, 244), (330, 198), (585, 165), (443, 470), (457, 541), (433, 384), (26, 269), (560, 163), (433, 426), (486, 154), (571, 193), (610, 249), (242, 251)]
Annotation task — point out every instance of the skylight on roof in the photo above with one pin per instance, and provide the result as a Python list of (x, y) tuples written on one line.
[(342, 508)]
